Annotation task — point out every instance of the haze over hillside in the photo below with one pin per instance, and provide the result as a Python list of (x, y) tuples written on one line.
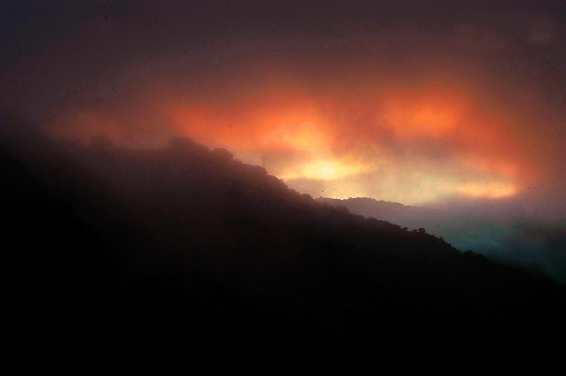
[(192, 234)]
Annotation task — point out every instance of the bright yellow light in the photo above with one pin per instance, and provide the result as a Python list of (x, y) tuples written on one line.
[(324, 169)]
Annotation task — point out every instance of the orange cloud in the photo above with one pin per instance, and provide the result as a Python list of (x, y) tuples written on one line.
[(433, 116), (414, 145)]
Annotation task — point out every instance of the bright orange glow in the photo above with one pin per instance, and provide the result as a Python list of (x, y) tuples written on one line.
[(324, 169), (408, 145), (429, 117), (487, 190), (259, 130)]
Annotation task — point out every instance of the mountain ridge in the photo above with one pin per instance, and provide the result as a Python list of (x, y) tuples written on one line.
[(193, 233), (499, 233)]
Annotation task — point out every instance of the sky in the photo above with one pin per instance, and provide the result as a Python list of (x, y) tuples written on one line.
[(415, 102)]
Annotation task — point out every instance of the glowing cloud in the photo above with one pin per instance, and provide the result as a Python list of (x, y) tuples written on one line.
[(376, 136), (490, 190), (324, 169)]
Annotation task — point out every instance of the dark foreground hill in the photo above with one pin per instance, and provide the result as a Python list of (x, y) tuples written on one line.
[(188, 238)]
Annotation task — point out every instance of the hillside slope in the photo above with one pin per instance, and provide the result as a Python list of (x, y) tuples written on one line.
[(191, 236), (501, 234)]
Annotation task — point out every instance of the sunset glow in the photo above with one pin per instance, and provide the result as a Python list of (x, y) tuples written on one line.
[(326, 170), (324, 153), (411, 147), (487, 190), (429, 118)]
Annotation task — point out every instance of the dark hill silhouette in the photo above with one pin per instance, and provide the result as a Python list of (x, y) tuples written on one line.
[(184, 236)]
